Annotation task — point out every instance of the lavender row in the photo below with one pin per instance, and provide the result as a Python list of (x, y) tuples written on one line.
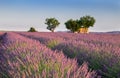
[(21, 57), (102, 51), (96, 42)]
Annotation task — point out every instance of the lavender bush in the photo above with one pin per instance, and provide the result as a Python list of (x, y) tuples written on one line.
[(22, 57), (100, 50)]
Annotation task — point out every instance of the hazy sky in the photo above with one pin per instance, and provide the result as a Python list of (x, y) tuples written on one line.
[(23, 14)]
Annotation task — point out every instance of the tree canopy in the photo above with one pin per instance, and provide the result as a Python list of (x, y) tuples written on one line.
[(52, 23), (32, 29), (87, 21), (83, 22), (72, 25)]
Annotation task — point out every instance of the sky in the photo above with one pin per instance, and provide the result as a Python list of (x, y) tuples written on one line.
[(20, 15)]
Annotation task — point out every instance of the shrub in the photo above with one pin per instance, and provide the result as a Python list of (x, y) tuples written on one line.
[(32, 29)]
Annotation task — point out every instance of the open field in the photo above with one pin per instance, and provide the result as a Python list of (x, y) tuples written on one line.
[(59, 55)]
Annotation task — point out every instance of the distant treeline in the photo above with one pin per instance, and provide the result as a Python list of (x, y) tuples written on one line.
[(79, 26)]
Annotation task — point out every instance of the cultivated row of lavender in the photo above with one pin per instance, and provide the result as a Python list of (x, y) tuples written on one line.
[(101, 51), (21, 57)]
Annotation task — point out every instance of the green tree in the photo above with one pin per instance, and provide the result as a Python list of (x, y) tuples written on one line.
[(80, 25), (87, 21), (72, 25), (32, 29), (52, 23)]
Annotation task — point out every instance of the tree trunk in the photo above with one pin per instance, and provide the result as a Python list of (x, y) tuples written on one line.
[(52, 30)]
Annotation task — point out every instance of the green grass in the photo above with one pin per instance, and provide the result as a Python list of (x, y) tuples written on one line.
[(52, 43)]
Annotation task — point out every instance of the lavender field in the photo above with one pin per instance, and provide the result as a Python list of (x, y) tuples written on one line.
[(59, 55)]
